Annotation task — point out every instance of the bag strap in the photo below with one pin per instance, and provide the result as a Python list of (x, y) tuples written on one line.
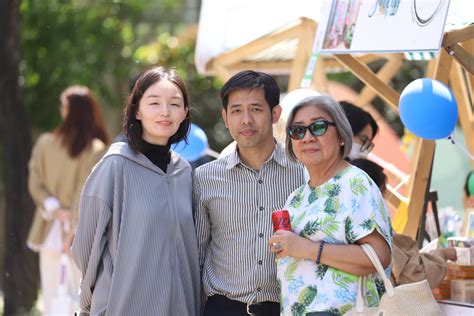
[(370, 252), (361, 302)]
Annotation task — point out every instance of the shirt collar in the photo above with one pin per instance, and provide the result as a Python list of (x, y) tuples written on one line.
[(278, 155)]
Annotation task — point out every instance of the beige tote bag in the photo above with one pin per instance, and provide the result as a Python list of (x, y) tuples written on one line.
[(407, 299)]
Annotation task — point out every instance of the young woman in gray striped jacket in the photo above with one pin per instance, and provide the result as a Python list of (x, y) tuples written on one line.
[(135, 243)]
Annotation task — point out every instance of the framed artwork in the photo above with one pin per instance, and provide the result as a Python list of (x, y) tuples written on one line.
[(360, 26)]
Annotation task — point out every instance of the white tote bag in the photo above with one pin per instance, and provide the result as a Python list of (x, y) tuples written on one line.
[(408, 299)]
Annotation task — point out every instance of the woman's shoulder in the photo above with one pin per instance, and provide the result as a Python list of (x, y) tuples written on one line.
[(98, 145), (352, 172), (47, 139)]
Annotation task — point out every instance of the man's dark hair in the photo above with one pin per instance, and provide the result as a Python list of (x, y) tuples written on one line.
[(249, 79), (131, 127), (358, 118)]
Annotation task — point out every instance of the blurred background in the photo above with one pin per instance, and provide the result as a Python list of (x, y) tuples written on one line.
[(49, 45)]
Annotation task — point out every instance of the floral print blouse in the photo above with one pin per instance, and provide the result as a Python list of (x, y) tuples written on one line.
[(343, 210)]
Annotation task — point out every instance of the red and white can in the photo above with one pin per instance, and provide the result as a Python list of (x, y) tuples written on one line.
[(281, 220)]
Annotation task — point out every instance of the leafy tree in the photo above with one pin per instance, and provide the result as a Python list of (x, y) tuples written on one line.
[(103, 44), (20, 265)]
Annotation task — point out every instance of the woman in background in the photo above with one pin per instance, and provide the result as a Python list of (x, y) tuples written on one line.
[(364, 129), (136, 244), (60, 163)]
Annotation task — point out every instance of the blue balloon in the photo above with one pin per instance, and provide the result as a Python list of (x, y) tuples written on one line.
[(196, 147), (428, 109)]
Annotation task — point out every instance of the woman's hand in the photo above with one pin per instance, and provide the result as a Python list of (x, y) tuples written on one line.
[(292, 245), (62, 214), (67, 242)]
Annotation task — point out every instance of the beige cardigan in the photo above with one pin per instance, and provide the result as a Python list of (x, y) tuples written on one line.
[(53, 173), (409, 265)]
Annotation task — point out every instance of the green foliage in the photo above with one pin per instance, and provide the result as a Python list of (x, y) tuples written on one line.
[(103, 44)]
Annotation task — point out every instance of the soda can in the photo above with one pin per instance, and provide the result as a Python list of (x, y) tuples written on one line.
[(281, 220)]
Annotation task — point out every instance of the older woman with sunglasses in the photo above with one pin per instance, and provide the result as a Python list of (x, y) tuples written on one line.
[(338, 209)]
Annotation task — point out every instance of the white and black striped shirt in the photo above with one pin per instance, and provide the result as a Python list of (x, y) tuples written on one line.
[(233, 205)]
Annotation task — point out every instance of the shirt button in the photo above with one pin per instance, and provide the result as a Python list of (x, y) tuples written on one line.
[(260, 262), (260, 181), (259, 289), (261, 208), (260, 235)]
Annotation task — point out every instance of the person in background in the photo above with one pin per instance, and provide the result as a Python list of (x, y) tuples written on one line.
[(337, 210), (60, 163), (135, 243), (468, 196), (234, 197), (408, 263), (364, 128), (468, 202)]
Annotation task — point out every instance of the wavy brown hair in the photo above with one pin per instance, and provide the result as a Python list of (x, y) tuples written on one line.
[(131, 127), (83, 122)]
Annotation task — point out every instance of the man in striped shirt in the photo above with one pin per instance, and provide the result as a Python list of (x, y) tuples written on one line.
[(234, 197)]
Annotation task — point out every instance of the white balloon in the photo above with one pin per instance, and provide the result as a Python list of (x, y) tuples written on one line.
[(292, 98)]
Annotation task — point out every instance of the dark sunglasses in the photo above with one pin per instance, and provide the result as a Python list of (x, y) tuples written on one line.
[(367, 144), (317, 128)]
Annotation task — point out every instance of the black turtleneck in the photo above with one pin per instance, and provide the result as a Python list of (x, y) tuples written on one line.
[(159, 155)]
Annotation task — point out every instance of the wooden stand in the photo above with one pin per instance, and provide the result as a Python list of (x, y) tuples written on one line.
[(286, 52)]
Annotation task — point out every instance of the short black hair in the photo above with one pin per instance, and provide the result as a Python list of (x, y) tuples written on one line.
[(358, 118), (373, 170), (466, 184), (249, 79), (132, 128)]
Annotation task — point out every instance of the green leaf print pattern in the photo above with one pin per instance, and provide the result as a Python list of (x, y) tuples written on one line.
[(321, 271), (310, 229), (371, 293), (351, 236), (305, 298), (357, 185), (368, 224), (307, 295), (329, 225), (345, 308), (331, 205), (290, 271), (314, 195), (343, 279), (298, 309), (297, 219), (296, 200), (334, 190)]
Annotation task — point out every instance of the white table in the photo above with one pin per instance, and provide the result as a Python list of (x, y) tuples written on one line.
[(453, 308)]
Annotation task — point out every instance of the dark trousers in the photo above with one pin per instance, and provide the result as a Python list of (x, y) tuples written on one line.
[(218, 305)]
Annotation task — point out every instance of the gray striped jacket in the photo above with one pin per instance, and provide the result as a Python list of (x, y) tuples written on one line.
[(135, 243)]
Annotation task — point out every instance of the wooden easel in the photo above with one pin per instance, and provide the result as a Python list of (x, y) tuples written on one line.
[(454, 65)]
